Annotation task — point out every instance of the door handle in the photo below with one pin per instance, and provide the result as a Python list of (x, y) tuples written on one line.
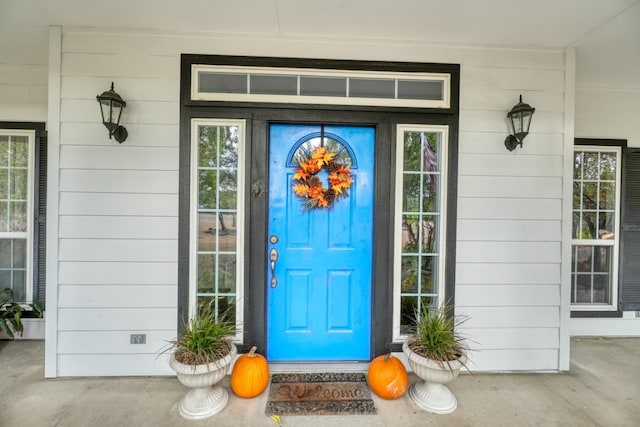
[(273, 257)]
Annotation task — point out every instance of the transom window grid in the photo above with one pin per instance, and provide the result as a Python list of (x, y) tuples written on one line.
[(419, 229), (16, 216), (596, 219), (315, 86), (217, 221)]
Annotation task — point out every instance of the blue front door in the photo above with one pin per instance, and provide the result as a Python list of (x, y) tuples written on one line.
[(319, 266)]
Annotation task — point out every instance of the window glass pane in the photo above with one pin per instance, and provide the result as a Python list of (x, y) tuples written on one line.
[(4, 184), (207, 189), (19, 151), (409, 274), (4, 216), (207, 274), (589, 195), (429, 234), (428, 271), (607, 196), (577, 164), (371, 88), (228, 189), (608, 166), (222, 82), (19, 285), (588, 223), (590, 166), (605, 225), (408, 309), (416, 89), (582, 292), (4, 151), (208, 228), (412, 156), (18, 216), (274, 85), (19, 183), (226, 274), (411, 193), (601, 289), (323, 86), (429, 194), (227, 234), (5, 255), (19, 253), (410, 233)]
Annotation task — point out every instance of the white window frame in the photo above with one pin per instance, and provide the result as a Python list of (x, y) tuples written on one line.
[(193, 214), (614, 243), (28, 234), (445, 78), (442, 194)]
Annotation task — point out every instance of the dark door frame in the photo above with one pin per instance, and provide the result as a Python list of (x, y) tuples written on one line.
[(258, 116)]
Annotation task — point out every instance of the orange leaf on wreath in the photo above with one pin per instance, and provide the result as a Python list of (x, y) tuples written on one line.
[(323, 203), (316, 192), (301, 189), (300, 175)]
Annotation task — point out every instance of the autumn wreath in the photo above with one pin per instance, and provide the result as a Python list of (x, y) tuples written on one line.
[(308, 186)]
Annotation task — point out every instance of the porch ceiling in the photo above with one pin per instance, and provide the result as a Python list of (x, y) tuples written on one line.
[(603, 31)]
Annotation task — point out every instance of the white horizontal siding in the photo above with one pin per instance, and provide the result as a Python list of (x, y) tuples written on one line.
[(119, 181), (122, 157), (534, 187), (508, 230), (508, 360), (479, 142), (112, 250), (116, 296), (117, 319), (509, 208), (508, 252), (508, 274), (118, 204), (118, 227), (513, 338), (111, 273), (510, 317), (140, 135), (84, 365), (508, 295), (112, 342)]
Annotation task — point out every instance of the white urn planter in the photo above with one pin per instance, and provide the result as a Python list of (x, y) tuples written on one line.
[(432, 394), (205, 398)]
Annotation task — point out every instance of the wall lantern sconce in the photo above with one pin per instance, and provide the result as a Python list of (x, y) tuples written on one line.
[(520, 119), (111, 106)]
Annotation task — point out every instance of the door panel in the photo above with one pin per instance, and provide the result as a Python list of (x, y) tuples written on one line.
[(320, 308)]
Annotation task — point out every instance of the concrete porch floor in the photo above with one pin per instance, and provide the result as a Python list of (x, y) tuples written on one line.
[(601, 389)]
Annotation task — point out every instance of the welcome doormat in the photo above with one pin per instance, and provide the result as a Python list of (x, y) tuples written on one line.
[(319, 394)]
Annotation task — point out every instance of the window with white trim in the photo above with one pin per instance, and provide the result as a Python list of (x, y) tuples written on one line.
[(16, 212), (420, 222), (216, 261), (596, 221)]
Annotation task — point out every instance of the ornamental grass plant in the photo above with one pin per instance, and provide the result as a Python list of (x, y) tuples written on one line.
[(436, 336), (205, 338)]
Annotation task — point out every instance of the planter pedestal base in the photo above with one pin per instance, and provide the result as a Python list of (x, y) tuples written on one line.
[(203, 402), (436, 398)]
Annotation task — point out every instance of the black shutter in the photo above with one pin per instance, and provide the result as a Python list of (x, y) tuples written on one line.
[(630, 242), (40, 219)]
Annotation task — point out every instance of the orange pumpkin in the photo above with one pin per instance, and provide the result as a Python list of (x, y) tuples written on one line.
[(388, 377), (250, 374)]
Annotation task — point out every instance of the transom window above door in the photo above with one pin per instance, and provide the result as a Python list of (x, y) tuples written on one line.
[(316, 86)]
